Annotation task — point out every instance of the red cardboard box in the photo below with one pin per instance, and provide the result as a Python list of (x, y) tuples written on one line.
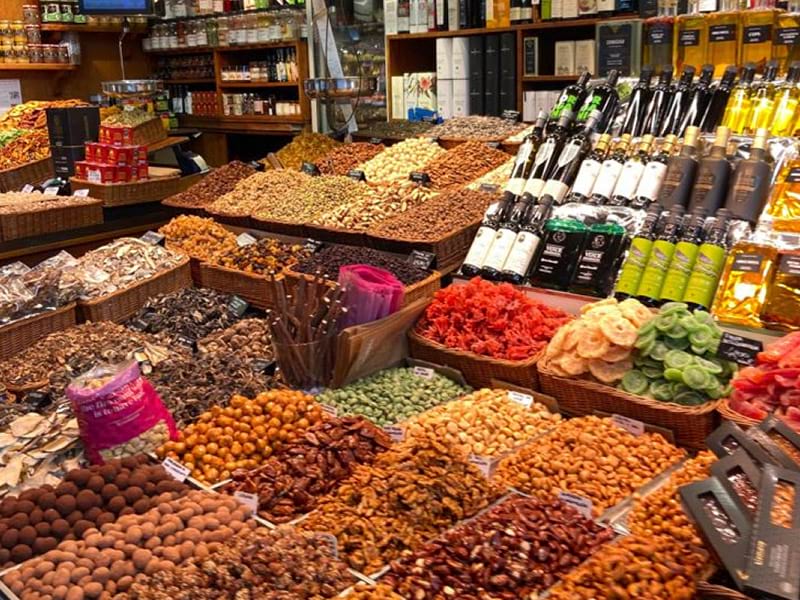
[(100, 173), (80, 169), (142, 171), (120, 155), (123, 174)]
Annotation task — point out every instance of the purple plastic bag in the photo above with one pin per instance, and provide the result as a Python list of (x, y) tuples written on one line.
[(370, 293)]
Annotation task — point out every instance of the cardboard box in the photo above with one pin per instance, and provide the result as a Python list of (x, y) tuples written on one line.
[(142, 172), (65, 158), (742, 478), (530, 56), (444, 98), (73, 126), (785, 438), (729, 437), (460, 58), (100, 173), (398, 98), (461, 98), (444, 63), (585, 58), (476, 74), (80, 169), (419, 95), (491, 89), (565, 58)]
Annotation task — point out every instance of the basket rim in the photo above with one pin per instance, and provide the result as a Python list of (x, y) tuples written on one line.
[(333, 229), (530, 362), (370, 232), (88, 203), (725, 410), (149, 182), (184, 262), (27, 164), (37, 317), (289, 271), (205, 265), (601, 388)]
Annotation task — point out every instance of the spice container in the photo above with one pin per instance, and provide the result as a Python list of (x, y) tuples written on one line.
[(30, 14)]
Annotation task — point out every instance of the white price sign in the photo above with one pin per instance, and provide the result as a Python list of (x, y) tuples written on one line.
[(27, 188), (423, 372), (248, 500), (396, 432), (51, 190), (630, 425), (83, 193), (176, 470), (579, 503), (525, 399), (486, 465)]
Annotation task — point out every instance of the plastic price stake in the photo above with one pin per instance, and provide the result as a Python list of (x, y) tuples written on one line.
[(493, 145), (329, 410), (310, 169), (154, 238), (237, 306), (51, 190), (525, 400), (247, 499), (579, 503), (423, 372), (486, 465), (420, 177), (421, 259), (27, 188), (396, 432), (375, 140), (511, 115), (176, 470), (245, 239), (82, 193), (489, 187), (357, 174), (263, 365), (312, 246), (739, 349), (630, 425)]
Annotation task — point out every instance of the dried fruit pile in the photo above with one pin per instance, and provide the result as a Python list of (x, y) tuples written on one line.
[(198, 237), (489, 319)]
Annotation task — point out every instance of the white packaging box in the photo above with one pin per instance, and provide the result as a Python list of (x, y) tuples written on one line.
[(460, 58), (460, 97), (528, 106), (444, 97), (584, 56), (444, 58), (390, 16), (569, 9), (565, 58), (398, 98), (420, 91)]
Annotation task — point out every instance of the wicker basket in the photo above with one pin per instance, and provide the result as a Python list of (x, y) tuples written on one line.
[(234, 220), (50, 220), (336, 235), (194, 263), (280, 227), (450, 250), (148, 133), (12, 180), (479, 371), (727, 413), (137, 192), (448, 142), (690, 424), (122, 305), (19, 335), (710, 591), (256, 289)]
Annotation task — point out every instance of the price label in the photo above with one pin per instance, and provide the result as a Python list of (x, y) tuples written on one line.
[(423, 372), (579, 503), (489, 187), (154, 238), (94, 176), (176, 470), (486, 465), (396, 432), (420, 177), (310, 169), (51, 190), (37, 399), (421, 259), (329, 410), (375, 140), (27, 188), (739, 349), (237, 306), (263, 365), (493, 145), (82, 193), (511, 115), (250, 501), (138, 325), (312, 246), (525, 400), (245, 239), (186, 341), (357, 174), (258, 166), (632, 426)]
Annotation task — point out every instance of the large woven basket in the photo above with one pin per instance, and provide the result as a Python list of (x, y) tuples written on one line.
[(148, 133), (727, 413), (280, 227), (336, 235), (137, 192), (122, 305), (235, 220), (710, 591), (255, 289), (12, 180), (479, 371), (690, 424), (194, 263), (19, 335), (50, 220)]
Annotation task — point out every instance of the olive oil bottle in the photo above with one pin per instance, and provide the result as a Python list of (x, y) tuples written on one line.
[(787, 101), (691, 38), (739, 101), (649, 291), (784, 201), (682, 263), (638, 254), (708, 264)]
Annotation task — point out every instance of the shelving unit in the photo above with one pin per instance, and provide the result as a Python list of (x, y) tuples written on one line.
[(91, 28), (37, 67)]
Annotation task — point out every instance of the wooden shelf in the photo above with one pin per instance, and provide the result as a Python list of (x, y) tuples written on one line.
[(237, 48), (192, 50), (246, 124), (186, 81), (37, 67), (550, 78), (87, 28), (167, 143), (258, 84)]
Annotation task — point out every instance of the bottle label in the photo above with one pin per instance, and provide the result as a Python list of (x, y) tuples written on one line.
[(659, 34), (722, 33), (747, 263), (592, 259), (680, 269), (653, 276), (607, 179), (534, 187), (705, 275), (480, 246), (787, 36), (789, 264), (631, 274), (519, 260), (757, 34), (591, 104), (793, 176), (629, 179), (651, 180), (587, 175), (568, 154), (557, 189), (551, 258), (567, 103), (500, 249), (516, 185), (689, 37)]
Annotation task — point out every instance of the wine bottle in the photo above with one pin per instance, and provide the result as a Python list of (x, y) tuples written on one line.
[(786, 103), (683, 259), (638, 254), (590, 169), (658, 104), (649, 290), (703, 281), (698, 101), (523, 163), (527, 241), (631, 174), (713, 172), (598, 259), (637, 103), (749, 187), (570, 159), (547, 156), (681, 172), (653, 176), (603, 97), (504, 238), (571, 98), (762, 103), (609, 173), (483, 239), (715, 108), (678, 103)]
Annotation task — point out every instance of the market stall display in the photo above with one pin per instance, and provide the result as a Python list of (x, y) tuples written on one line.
[(266, 256), (257, 191), (343, 159), (199, 238), (217, 183), (398, 161), (306, 147), (24, 215), (249, 339), (460, 165), (475, 127), (329, 260)]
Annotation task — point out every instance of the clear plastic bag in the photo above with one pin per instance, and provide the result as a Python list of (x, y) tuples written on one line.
[(370, 293)]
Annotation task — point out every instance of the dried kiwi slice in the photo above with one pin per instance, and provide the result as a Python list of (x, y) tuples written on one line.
[(675, 375), (634, 382), (696, 377), (678, 359), (708, 366), (661, 389), (664, 322), (659, 351), (680, 343)]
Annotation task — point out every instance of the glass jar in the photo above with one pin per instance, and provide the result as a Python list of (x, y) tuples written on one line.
[(180, 28), (63, 54), (211, 32), (181, 10), (67, 12), (33, 34), (222, 31), (263, 27), (202, 34), (35, 53), (172, 35), (6, 37), (20, 54), (51, 12), (50, 53), (252, 28), (236, 34), (18, 33), (274, 32), (30, 14), (288, 26)]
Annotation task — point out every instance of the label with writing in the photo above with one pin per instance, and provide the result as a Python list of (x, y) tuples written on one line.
[(258, 166), (154, 238), (357, 174), (689, 37), (175, 469), (739, 349), (329, 410), (757, 34), (748, 263), (525, 400), (659, 34), (263, 365), (787, 36), (186, 341), (94, 176), (493, 145), (310, 169), (137, 325), (489, 187), (793, 176), (421, 259), (485, 464), (245, 239), (579, 503), (312, 246), (630, 425), (423, 372), (789, 265), (615, 43), (722, 33), (237, 305), (375, 140), (51, 190), (420, 177), (27, 188), (81, 193), (511, 115), (396, 432), (250, 501)]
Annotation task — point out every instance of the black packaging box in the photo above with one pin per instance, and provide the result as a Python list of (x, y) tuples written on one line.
[(785, 438), (65, 157), (739, 466), (508, 72), (73, 126), (476, 68), (491, 90), (729, 437), (773, 565)]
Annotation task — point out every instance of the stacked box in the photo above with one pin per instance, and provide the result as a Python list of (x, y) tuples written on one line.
[(110, 163)]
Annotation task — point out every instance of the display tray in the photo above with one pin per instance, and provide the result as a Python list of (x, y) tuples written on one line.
[(19, 335), (690, 424), (281, 227), (50, 220), (12, 180), (479, 371), (336, 235), (726, 412), (255, 289), (137, 192), (122, 305)]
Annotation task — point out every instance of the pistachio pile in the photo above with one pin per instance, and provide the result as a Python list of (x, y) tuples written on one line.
[(259, 190)]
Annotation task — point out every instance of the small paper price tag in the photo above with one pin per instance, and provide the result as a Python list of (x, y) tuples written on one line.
[(489, 188), (154, 238), (396, 432), (94, 176), (176, 470), (486, 465), (312, 246), (493, 145), (357, 174), (51, 190), (27, 188), (525, 400), (511, 115), (329, 410), (248, 500), (375, 140), (263, 365), (245, 239), (237, 306), (579, 503), (82, 193), (739, 349), (419, 177), (310, 169), (630, 425), (421, 259), (423, 372)]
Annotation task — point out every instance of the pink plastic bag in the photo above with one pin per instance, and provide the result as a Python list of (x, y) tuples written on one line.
[(370, 293), (119, 412)]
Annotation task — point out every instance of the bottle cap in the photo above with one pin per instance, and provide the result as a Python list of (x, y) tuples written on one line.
[(721, 137), (690, 135), (760, 139)]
